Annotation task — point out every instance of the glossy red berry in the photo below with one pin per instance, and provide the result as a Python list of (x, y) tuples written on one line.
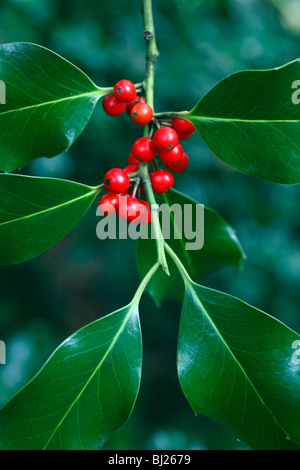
[(171, 156), (161, 180), (112, 106), (124, 90), (132, 160), (108, 203), (125, 194), (181, 165), (182, 126), (116, 181), (141, 113), (142, 188), (143, 149), (184, 136), (165, 138), (146, 216), (132, 103), (130, 208), (130, 169)]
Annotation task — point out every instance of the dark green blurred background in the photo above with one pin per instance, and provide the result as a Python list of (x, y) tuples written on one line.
[(48, 298)]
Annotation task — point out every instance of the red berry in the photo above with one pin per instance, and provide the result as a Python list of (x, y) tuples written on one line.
[(126, 194), (180, 165), (185, 136), (122, 204), (132, 160), (141, 113), (146, 217), (130, 208), (116, 181), (171, 156), (182, 126), (130, 169), (144, 149), (132, 103), (112, 106), (142, 188), (124, 90), (108, 203), (161, 180), (165, 138)]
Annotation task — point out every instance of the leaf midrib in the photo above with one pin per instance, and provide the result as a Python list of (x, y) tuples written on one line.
[(51, 102), (109, 349), (252, 121), (49, 209), (203, 309)]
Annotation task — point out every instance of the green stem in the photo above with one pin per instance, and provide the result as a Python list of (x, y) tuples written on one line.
[(136, 185), (171, 114), (184, 274), (139, 85), (99, 188), (108, 90), (159, 239), (105, 90), (144, 283), (151, 58), (152, 51)]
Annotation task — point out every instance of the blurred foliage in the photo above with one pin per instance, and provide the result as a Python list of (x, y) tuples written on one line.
[(81, 278)]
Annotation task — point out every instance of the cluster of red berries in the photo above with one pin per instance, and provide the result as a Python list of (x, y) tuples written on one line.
[(124, 96), (126, 206), (117, 182), (165, 142)]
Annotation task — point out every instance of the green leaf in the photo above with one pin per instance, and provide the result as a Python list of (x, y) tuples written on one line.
[(221, 248), (35, 213), (48, 104), (251, 123), (84, 392), (236, 366)]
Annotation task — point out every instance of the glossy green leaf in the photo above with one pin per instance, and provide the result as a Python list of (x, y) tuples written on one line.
[(48, 103), (35, 213), (237, 366), (84, 392), (251, 121), (221, 248)]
